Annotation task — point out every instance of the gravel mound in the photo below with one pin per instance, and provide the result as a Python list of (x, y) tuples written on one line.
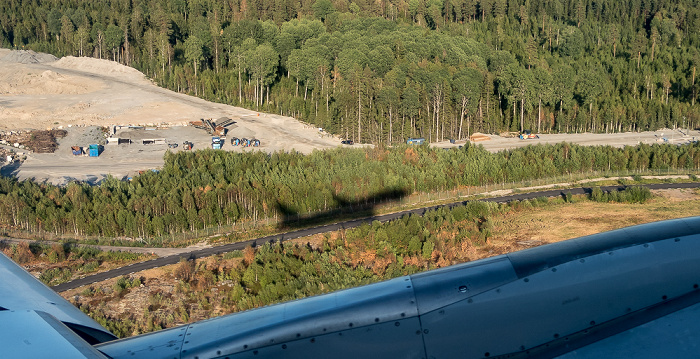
[(27, 57), (98, 66), (82, 136)]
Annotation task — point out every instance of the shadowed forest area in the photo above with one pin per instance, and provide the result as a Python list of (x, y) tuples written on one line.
[(381, 71), (272, 273), (219, 189)]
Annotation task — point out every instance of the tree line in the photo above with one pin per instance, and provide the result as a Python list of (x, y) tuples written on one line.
[(275, 273), (210, 189), (380, 72), (280, 272)]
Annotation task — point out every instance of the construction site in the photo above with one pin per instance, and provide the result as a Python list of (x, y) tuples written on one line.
[(84, 119), (91, 153), (99, 107)]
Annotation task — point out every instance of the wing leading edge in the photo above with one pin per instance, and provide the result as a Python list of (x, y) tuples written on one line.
[(20, 291)]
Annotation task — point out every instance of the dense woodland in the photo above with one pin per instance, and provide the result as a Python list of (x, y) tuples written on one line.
[(382, 71), (210, 188), (276, 273), (281, 272)]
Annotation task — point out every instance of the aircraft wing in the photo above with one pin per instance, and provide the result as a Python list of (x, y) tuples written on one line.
[(36, 334), (632, 292), (36, 322)]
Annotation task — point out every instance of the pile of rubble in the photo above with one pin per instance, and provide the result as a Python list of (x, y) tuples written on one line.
[(7, 156), (35, 141)]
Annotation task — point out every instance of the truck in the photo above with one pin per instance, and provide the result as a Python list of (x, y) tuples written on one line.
[(415, 141), (216, 143)]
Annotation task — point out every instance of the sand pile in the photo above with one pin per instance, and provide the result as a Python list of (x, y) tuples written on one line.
[(98, 66), (26, 57), (40, 92), (477, 137), (43, 83)]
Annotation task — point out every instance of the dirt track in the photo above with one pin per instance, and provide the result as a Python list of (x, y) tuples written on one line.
[(497, 143)]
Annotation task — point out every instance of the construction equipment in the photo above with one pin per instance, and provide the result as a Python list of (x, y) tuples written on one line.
[(527, 135), (415, 141), (217, 128), (216, 143), (224, 121), (220, 131)]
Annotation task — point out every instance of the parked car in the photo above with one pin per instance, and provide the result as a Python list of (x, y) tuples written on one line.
[(347, 142)]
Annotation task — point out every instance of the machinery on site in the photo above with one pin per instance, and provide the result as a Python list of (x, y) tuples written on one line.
[(415, 141), (527, 135), (216, 143)]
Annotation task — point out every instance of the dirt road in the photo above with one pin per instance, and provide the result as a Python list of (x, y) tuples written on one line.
[(497, 143)]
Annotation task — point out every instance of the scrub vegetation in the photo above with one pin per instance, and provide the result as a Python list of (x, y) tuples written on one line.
[(195, 290), (56, 263)]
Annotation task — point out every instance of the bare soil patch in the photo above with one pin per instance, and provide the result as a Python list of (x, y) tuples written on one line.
[(678, 195), (522, 229), (509, 140), (41, 92)]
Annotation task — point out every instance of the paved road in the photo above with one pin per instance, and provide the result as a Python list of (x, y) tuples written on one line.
[(173, 259)]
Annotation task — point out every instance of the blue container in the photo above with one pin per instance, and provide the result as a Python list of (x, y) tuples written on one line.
[(94, 150)]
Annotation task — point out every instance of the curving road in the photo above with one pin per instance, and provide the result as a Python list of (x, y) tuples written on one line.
[(173, 259)]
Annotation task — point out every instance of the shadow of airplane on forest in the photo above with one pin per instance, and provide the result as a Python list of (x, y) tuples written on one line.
[(347, 209)]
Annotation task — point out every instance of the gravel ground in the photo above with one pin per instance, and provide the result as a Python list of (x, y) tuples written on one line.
[(497, 143), (82, 95)]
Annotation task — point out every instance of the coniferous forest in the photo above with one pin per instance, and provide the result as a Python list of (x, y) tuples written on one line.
[(210, 188), (382, 71)]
